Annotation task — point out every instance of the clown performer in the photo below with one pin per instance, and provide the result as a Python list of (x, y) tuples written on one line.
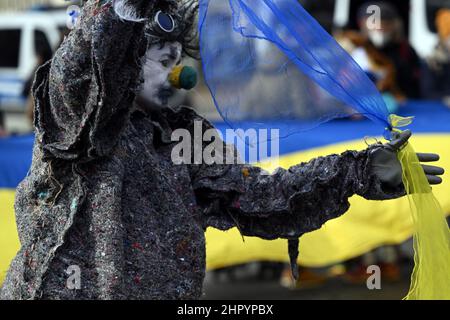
[(103, 195)]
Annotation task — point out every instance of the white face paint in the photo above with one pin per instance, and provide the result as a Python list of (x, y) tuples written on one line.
[(159, 62)]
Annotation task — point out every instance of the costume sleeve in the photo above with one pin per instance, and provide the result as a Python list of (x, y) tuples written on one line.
[(84, 94), (290, 202)]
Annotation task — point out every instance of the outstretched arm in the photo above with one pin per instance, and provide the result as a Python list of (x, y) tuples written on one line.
[(292, 202)]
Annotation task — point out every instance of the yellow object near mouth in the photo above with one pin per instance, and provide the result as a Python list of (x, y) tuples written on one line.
[(183, 77)]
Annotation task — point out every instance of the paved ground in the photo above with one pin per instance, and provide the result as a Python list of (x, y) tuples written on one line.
[(246, 286), (271, 290)]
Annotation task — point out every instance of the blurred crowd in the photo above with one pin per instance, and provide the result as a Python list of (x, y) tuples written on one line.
[(386, 55)]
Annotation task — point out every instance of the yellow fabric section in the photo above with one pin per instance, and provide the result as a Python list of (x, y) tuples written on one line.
[(431, 276), (174, 76), (9, 241), (398, 122), (367, 225)]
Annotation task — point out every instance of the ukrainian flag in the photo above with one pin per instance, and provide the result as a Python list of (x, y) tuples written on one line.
[(367, 225)]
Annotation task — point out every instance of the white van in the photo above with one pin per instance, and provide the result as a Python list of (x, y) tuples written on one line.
[(19, 35)]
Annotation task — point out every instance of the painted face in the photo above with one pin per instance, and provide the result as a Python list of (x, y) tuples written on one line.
[(159, 62)]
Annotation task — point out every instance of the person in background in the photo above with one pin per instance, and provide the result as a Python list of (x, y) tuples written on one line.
[(390, 40), (439, 62)]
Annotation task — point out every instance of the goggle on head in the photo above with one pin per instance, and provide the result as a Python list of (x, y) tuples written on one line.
[(163, 29)]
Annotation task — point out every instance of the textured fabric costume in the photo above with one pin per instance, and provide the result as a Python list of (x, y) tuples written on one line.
[(103, 193)]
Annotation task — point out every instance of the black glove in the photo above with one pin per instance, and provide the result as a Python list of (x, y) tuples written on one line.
[(387, 168)]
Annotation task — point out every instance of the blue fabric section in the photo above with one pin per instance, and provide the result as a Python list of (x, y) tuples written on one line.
[(250, 47), (431, 117)]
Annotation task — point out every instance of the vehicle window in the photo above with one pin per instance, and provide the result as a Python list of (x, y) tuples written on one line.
[(42, 46), (10, 48), (433, 7)]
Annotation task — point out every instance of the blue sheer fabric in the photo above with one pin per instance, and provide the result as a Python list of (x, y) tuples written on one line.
[(271, 60)]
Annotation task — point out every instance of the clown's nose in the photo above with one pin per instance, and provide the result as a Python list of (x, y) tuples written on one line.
[(183, 77)]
